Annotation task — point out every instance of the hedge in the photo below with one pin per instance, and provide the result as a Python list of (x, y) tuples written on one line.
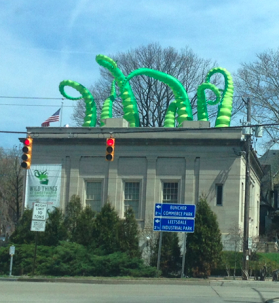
[(71, 259)]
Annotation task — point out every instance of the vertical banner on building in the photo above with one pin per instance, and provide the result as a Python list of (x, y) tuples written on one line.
[(43, 185)]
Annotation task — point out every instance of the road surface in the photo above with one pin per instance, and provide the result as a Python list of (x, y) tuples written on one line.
[(29, 292)]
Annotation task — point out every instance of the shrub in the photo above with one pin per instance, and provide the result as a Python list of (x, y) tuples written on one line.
[(22, 234), (72, 259), (204, 246), (129, 234), (170, 261), (107, 230)]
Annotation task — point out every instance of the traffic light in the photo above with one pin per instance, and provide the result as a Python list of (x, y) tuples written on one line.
[(110, 149), (27, 153)]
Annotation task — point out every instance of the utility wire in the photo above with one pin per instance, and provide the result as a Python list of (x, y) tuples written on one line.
[(33, 98), (48, 98), (46, 105)]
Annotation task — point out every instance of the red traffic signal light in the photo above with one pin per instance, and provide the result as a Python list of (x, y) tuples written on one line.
[(110, 149), (27, 153)]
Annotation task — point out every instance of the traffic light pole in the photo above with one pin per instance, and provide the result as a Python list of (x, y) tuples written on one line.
[(245, 275)]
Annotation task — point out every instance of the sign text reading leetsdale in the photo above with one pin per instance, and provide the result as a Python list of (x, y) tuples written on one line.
[(174, 225)]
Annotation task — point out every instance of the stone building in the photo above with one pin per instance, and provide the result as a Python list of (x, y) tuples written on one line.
[(151, 165), (269, 189)]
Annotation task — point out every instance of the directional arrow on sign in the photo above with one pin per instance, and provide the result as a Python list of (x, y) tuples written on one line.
[(157, 224), (158, 210)]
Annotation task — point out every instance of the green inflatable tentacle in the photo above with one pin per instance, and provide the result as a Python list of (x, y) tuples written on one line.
[(170, 115), (91, 110), (107, 106), (129, 102), (225, 106), (184, 108), (202, 101)]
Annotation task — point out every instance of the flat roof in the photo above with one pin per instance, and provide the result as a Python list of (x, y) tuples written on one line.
[(136, 133)]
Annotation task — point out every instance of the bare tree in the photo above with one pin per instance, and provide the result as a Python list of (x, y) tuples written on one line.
[(153, 96), (259, 80), (11, 188), (235, 242)]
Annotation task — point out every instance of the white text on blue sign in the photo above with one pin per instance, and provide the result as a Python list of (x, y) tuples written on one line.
[(175, 210), (174, 225)]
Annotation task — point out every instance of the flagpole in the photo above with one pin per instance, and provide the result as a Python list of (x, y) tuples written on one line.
[(61, 113)]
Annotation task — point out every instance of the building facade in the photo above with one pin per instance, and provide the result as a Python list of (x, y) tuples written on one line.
[(151, 165)]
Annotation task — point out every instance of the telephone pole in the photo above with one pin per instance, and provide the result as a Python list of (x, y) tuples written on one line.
[(248, 134)]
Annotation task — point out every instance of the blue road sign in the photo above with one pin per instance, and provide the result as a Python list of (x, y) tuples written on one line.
[(175, 210), (174, 225)]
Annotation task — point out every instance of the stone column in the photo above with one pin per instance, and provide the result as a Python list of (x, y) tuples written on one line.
[(190, 181), (74, 184), (151, 186)]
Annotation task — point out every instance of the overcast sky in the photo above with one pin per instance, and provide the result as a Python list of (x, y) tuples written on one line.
[(45, 42)]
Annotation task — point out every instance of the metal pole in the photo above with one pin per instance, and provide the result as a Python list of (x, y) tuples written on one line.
[(247, 196), (11, 265), (183, 255), (35, 253), (61, 114), (24, 200), (159, 251)]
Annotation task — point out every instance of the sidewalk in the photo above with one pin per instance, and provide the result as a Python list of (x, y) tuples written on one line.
[(153, 281)]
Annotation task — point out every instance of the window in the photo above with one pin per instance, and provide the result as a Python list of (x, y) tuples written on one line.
[(170, 192), (131, 197), (94, 195), (219, 194)]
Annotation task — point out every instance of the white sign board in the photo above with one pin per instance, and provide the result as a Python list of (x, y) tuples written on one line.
[(12, 250), (43, 185), (38, 225), (39, 211)]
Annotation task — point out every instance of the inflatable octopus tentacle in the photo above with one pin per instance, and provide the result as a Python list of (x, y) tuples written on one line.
[(107, 106), (225, 106), (128, 99), (202, 101), (91, 110), (184, 108), (170, 115)]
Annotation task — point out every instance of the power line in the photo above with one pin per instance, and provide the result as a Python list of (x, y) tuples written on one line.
[(42, 105), (33, 98), (49, 98), (12, 132)]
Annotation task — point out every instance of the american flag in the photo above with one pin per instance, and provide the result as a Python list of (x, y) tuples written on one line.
[(53, 118)]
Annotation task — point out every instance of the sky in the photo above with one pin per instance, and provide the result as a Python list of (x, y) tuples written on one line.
[(45, 42)]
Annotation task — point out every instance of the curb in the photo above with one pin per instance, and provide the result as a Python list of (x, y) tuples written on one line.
[(222, 283), (107, 281), (8, 279)]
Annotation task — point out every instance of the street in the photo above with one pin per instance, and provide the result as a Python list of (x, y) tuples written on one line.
[(38, 292)]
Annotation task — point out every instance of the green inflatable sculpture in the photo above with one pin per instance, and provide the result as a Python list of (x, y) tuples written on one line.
[(225, 97), (128, 99), (107, 106), (182, 103), (90, 118), (178, 111)]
